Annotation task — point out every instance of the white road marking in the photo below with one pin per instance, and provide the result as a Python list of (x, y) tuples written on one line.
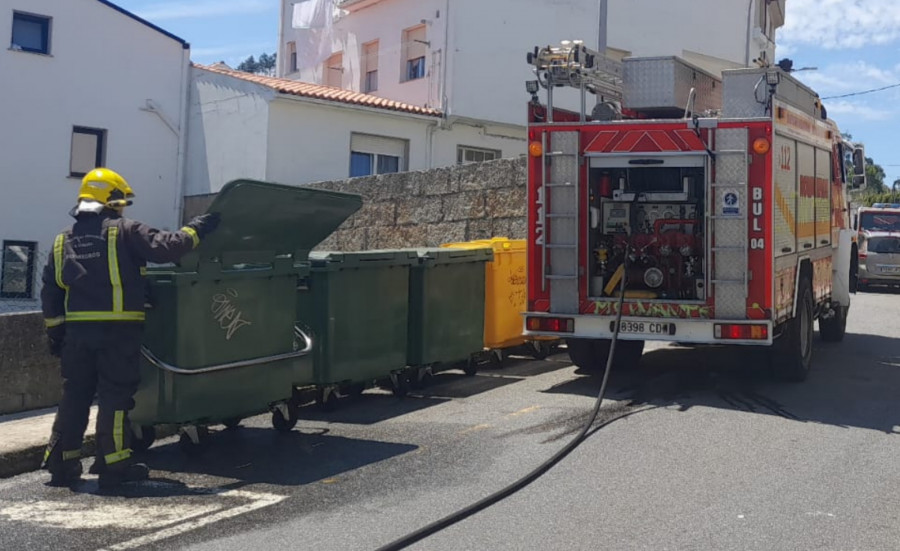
[(78, 516), (257, 501)]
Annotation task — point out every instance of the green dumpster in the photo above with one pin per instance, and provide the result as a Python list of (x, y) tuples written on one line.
[(446, 308), (222, 340), (355, 304)]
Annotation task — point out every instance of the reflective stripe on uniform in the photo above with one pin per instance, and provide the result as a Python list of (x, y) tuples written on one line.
[(71, 454), (193, 233), (115, 278), (54, 322), (106, 316), (116, 457), (58, 259), (118, 430)]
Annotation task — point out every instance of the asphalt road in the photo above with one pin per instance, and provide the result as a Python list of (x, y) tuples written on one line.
[(706, 453)]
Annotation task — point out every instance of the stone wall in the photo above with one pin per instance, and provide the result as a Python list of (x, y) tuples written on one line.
[(29, 375), (427, 208)]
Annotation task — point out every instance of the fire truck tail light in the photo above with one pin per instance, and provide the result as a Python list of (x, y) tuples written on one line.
[(535, 149), (553, 325), (761, 146), (741, 332)]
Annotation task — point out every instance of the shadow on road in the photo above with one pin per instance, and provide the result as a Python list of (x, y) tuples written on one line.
[(256, 455), (376, 406), (855, 383)]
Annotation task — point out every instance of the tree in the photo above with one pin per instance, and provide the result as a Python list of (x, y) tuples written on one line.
[(264, 66), (874, 177)]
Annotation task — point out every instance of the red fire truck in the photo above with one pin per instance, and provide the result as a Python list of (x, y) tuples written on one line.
[(721, 201)]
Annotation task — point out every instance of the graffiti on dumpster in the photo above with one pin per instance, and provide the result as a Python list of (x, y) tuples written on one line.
[(653, 310), (518, 292), (227, 314)]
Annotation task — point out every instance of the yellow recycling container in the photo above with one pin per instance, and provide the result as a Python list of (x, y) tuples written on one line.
[(505, 290)]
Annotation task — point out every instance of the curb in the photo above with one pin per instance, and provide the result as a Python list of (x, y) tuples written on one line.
[(29, 459)]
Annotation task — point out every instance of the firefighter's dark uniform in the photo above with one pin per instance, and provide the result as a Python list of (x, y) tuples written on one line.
[(94, 290)]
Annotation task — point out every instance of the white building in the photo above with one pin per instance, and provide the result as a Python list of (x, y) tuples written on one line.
[(85, 83), (280, 130), (712, 34), (467, 57)]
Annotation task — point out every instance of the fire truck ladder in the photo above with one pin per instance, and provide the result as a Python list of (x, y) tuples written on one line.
[(729, 274), (561, 162)]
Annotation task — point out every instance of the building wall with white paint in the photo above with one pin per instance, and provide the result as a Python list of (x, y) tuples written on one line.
[(713, 34), (228, 137), (475, 60), (102, 83), (242, 129)]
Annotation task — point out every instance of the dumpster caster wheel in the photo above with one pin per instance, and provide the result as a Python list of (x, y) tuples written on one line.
[(400, 384), (422, 377), (471, 367), (497, 358), (326, 399), (285, 417), (142, 437), (232, 423), (193, 440)]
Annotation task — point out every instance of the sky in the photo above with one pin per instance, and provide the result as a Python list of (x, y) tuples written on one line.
[(854, 46)]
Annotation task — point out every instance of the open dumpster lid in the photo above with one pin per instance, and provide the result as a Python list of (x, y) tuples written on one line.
[(262, 219)]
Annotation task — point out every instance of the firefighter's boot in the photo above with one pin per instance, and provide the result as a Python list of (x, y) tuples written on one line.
[(64, 466), (67, 474), (119, 473)]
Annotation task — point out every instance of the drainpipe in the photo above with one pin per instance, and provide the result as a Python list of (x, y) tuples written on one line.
[(182, 135), (749, 24), (429, 143), (446, 60)]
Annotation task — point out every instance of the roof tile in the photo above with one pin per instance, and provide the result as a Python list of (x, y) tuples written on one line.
[(318, 91)]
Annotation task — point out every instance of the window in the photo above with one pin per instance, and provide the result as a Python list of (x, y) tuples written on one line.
[(292, 57), (414, 50), (88, 150), (415, 68), (17, 279), (334, 70), (370, 67), (376, 155), (466, 154), (30, 33)]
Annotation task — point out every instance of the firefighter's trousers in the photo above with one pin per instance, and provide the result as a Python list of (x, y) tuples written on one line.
[(101, 359)]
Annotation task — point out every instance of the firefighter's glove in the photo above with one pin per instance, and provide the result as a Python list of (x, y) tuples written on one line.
[(55, 337), (205, 224)]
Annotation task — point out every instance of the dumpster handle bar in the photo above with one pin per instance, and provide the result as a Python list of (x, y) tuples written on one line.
[(233, 365)]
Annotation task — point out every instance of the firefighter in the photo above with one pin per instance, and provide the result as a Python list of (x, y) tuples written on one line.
[(93, 301)]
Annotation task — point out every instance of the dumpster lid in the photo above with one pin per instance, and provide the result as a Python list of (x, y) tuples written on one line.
[(363, 259), (446, 255), (267, 219)]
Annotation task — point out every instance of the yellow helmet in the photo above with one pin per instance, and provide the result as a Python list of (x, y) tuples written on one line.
[(107, 187)]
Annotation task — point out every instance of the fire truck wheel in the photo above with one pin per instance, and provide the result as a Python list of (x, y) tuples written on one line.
[(628, 354), (833, 329), (791, 354), (588, 354)]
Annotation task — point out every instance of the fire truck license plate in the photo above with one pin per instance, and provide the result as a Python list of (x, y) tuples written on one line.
[(644, 327)]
